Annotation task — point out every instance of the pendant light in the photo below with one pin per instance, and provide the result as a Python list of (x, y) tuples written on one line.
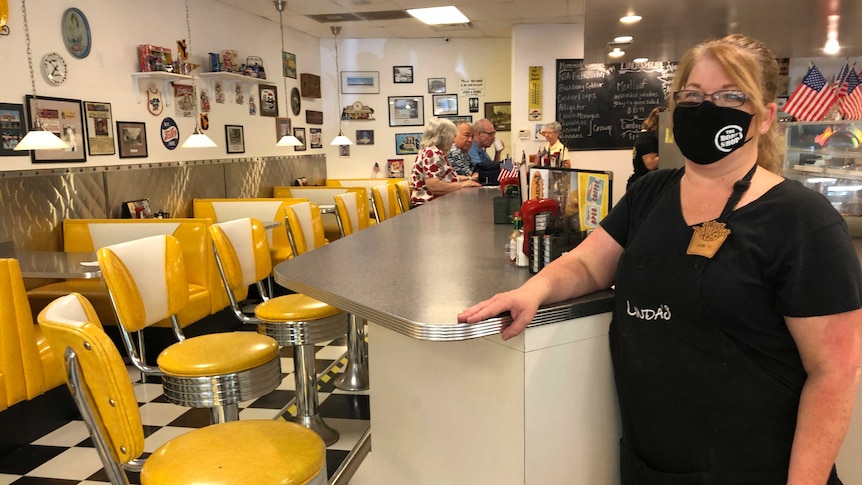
[(288, 140), (198, 138), (340, 139), (38, 138)]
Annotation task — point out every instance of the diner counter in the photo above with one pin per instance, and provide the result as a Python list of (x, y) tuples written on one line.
[(414, 273)]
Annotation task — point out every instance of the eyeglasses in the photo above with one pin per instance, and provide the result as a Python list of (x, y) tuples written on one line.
[(688, 98), (492, 133)]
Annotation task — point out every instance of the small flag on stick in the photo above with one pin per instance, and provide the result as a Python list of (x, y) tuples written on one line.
[(812, 99), (508, 170)]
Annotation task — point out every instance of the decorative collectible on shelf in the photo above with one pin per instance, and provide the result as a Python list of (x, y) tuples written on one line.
[(357, 111), (153, 58)]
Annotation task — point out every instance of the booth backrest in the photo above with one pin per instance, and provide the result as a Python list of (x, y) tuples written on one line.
[(367, 183), (323, 197), (265, 210), (28, 365)]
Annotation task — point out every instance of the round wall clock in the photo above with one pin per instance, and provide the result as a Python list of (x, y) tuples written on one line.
[(76, 33), (54, 68), (295, 101)]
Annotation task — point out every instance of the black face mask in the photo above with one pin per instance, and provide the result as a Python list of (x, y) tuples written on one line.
[(707, 133)]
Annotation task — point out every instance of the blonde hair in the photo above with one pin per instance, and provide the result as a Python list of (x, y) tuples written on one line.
[(439, 132), (751, 66), (651, 121)]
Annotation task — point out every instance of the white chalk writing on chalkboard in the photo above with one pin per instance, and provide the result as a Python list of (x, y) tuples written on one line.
[(603, 105)]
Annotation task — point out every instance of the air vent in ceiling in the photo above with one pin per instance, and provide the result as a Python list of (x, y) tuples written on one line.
[(366, 16), (452, 27)]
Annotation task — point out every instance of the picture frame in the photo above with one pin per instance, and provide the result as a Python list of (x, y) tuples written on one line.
[(313, 117), (288, 64), (500, 114), (445, 104), (100, 128), (459, 118), (436, 84), (344, 151), (360, 82), (364, 137), (315, 138), (268, 95), (402, 74), (132, 139), (76, 32), (63, 117), (282, 128), (406, 110), (407, 143), (234, 137), (12, 129), (299, 133)]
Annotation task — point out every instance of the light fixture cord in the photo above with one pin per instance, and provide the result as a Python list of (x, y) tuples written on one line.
[(338, 107), (37, 123), (192, 71), (283, 77)]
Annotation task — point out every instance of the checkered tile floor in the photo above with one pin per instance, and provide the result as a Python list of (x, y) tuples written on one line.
[(66, 455)]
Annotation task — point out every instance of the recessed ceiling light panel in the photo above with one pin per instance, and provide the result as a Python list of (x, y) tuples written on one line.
[(616, 52), (623, 39), (439, 15), (640, 59), (630, 19)]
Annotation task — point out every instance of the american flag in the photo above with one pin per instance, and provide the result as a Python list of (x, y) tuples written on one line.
[(812, 98), (841, 86), (508, 170), (851, 104)]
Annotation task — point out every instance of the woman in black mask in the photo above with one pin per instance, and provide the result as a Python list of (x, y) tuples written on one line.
[(736, 332)]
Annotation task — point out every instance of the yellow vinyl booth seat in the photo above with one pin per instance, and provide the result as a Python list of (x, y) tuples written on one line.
[(228, 209), (236, 452), (28, 364), (367, 183), (384, 199), (206, 295)]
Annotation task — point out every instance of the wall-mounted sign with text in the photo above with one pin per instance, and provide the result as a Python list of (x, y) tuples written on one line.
[(471, 87)]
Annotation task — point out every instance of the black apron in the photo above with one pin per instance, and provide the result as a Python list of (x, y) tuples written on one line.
[(695, 409)]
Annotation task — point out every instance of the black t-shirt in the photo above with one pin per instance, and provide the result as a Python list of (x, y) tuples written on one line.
[(647, 142), (789, 254)]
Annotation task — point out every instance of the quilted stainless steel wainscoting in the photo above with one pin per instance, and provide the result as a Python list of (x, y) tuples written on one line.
[(34, 203)]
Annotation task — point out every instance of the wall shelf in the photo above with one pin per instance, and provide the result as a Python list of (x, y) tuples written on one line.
[(232, 80), (157, 76)]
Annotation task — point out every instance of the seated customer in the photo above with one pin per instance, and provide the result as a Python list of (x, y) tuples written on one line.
[(432, 176), (484, 135), (459, 156)]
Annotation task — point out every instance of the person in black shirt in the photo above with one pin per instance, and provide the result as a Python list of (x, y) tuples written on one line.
[(645, 152), (736, 339)]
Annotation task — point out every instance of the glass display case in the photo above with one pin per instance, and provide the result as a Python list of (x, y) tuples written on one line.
[(827, 156)]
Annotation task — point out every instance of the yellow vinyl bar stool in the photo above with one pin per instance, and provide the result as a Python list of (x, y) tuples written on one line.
[(146, 281), (298, 321), (304, 235), (402, 190), (253, 451), (384, 202), (351, 213)]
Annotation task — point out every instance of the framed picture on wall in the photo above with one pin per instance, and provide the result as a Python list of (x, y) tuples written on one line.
[(132, 139), (299, 133), (406, 110), (445, 104), (364, 137), (402, 74), (458, 119), (12, 129), (282, 128), (315, 138), (360, 82), (268, 100), (288, 64), (64, 118), (500, 114), (436, 84), (407, 143), (100, 128), (234, 138)]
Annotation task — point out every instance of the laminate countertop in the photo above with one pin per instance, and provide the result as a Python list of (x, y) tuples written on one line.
[(415, 272)]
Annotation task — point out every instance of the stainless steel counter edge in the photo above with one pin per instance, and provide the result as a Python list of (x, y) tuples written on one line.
[(592, 304)]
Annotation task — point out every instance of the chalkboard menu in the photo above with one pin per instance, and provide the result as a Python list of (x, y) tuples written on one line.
[(602, 106)]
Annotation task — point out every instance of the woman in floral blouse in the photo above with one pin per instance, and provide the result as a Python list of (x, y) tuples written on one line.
[(432, 176)]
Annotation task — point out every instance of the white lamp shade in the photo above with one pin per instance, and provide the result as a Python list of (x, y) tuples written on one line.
[(198, 140), (41, 140), (341, 140), (288, 141)]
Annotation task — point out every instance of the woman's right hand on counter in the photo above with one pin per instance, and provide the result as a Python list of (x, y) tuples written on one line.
[(521, 304)]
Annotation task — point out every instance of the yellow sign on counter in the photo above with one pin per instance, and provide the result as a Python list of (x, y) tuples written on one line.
[(592, 199)]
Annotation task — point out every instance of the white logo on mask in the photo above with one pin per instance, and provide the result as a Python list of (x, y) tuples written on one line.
[(728, 137)]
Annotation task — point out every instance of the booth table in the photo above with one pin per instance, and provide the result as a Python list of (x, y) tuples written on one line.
[(54, 264), (453, 403)]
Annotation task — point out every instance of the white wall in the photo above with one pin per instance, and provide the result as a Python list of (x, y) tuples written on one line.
[(454, 60), (117, 28), (542, 45)]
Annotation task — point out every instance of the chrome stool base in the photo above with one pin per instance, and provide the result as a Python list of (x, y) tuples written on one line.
[(316, 424), (355, 375)]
